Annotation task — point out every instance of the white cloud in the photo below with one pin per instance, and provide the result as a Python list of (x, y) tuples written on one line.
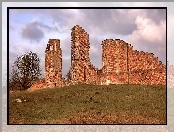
[(149, 30)]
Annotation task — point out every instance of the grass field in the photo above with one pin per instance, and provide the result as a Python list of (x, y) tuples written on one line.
[(90, 104)]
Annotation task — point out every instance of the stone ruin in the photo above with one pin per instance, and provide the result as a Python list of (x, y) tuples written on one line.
[(53, 64), (120, 63)]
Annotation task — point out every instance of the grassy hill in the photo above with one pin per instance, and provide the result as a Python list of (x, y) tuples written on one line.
[(90, 104)]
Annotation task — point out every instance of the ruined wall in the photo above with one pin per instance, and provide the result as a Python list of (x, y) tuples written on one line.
[(145, 68), (53, 64), (109, 61), (79, 53), (122, 65), (114, 61), (82, 71), (91, 74)]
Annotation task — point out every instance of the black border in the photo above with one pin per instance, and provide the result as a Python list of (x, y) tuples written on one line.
[(8, 66), (8, 8)]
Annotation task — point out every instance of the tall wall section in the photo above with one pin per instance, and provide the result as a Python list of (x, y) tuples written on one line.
[(114, 61), (82, 71), (53, 64)]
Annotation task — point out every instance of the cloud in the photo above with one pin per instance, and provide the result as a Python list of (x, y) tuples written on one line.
[(35, 30), (149, 36), (149, 30), (157, 15), (107, 20), (32, 32)]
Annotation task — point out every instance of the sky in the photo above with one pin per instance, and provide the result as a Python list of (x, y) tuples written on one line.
[(30, 30)]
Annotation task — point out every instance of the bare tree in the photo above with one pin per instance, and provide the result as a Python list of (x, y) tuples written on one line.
[(25, 70)]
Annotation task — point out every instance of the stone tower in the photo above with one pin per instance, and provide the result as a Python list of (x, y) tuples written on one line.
[(53, 63), (79, 53)]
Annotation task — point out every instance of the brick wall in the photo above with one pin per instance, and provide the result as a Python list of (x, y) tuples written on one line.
[(53, 63), (122, 64), (145, 68), (114, 61), (82, 70)]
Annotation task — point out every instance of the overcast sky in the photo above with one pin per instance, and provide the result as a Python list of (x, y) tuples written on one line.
[(30, 30)]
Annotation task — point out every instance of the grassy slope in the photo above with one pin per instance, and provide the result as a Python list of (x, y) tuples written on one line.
[(89, 104)]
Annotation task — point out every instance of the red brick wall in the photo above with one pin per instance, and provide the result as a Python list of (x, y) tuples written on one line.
[(145, 68), (122, 64), (82, 71), (114, 61), (53, 64)]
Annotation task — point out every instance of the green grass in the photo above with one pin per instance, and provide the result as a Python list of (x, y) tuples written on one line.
[(90, 104)]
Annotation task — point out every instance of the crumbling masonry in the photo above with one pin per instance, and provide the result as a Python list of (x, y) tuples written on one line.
[(120, 63), (53, 63)]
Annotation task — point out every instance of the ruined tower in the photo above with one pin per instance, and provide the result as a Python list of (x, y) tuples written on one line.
[(53, 63), (79, 53)]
